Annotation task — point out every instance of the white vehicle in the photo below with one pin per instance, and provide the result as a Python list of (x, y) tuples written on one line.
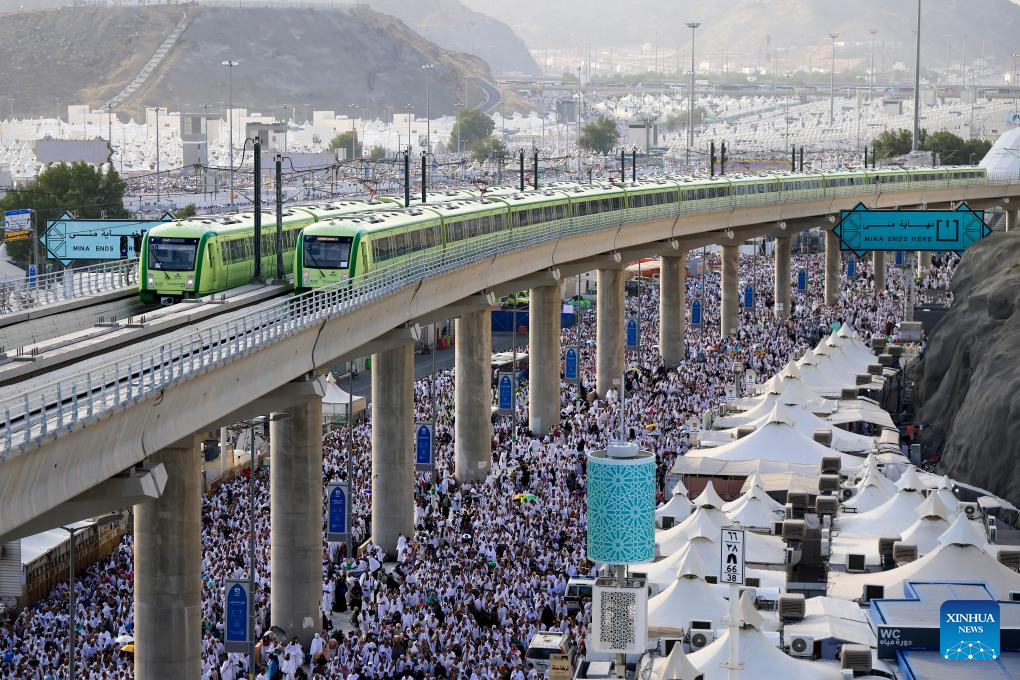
[(544, 645)]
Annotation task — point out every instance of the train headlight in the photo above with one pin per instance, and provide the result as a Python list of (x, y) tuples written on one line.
[(151, 280), (191, 282), (307, 277)]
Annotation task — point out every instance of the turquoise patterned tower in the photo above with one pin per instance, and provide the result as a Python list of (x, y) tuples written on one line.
[(621, 505)]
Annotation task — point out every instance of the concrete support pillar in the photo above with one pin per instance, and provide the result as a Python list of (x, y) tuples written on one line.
[(544, 359), (168, 570), (923, 262), (672, 308), (392, 456), (609, 331), (782, 284), (832, 260), (878, 265), (473, 398), (1012, 215), (730, 314), (295, 456)]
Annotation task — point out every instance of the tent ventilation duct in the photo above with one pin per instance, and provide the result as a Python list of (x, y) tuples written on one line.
[(823, 436)]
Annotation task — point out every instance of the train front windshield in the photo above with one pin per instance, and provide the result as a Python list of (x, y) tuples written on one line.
[(327, 252), (171, 254)]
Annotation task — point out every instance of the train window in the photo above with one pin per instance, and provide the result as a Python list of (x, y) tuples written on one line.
[(415, 238), (172, 254), (327, 252), (456, 232)]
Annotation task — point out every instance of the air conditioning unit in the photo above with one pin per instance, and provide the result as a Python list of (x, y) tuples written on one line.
[(701, 639), (791, 607), (744, 431), (1010, 557), (856, 658), (826, 505), (863, 379), (777, 528), (873, 592), (789, 511), (885, 546), (823, 436), (831, 465), (855, 563), (794, 530), (972, 510), (848, 393), (896, 350), (802, 646), (1014, 596), (877, 343), (668, 522), (827, 483), (993, 534), (752, 582), (847, 494), (799, 499), (886, 359), (875, 369), (904, 552)]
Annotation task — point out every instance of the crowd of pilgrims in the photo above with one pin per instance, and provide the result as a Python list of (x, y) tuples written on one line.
[(489, 562)]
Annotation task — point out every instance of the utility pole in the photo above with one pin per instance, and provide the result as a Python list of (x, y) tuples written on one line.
[(871, 82), (157, 157), (428, 108), (258, 209), (579, 96), (917, 83), (279, 217), (230, 64), (690, 98), (832, 81)]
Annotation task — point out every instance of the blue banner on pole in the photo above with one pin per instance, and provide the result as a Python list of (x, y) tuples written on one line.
[(338, 509), (696, 313), (423, 447), (802, 280), (235, 609), (570, 365), (632, 334), (33, 272), (899, 258), (862, 229), (749, 297), (506, 393), (851, 267)]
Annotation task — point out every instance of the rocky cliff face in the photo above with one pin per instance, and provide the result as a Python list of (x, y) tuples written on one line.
[(970, 385)]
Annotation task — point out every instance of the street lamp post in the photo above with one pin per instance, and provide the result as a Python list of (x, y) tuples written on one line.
[(787, 111), (832, 81), (428, 108), (73, 531), (580, 95), (916, 143), (410, 115), (690, 96), (230, 64), (871, 81)]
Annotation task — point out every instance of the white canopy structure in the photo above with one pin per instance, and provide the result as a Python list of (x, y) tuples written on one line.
[(688, 598), (804, 422), (871, 491), (336, 402), (678, 507), (785, 388), (705, 522), (759, 658), (932, 523), (674, 666), (755, 489), (755, 510), (827, 618), (663, 573), (777, 439), (891, 518), (960, 555)]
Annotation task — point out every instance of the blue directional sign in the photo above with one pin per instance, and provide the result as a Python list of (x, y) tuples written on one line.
[(338, 512), (861, 229), (851, 267), (235, 609), (899, 258), (506, 393), (696, 313), (802, 279), (423, 459), (33, 271), (570, 365), (749, 297), (18, 220), (632, 334), (68, 239)]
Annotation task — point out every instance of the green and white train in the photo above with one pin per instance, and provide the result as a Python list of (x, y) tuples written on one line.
[(326, 244)]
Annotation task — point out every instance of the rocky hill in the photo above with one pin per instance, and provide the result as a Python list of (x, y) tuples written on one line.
[(742, 26), (970, 389), (452, 26), (324, 58)]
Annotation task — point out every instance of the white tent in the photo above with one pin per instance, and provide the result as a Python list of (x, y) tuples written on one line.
[(663, 573), (759, 658), (755, 489), (679, 507), (688, 598), (775, 440), (785, 388), (803, 421), (753, 513), (674, 666), (959, 556), (336, 402), (871, 491), (705, 522), (891, 518), (932, 523)]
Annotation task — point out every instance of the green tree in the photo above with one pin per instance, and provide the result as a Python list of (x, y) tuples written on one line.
[(471, 125), (349, 142), (79, 187), (184, 213), (954, 150), (482, 149), (377, 153), (892, 143), (600, 135), (677, 120)]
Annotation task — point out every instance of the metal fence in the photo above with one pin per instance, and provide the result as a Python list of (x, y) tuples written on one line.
[(66, 285), (120, 383)]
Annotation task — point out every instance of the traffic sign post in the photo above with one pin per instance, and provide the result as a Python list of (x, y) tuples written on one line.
[(570, 365), (749, 297), (338, 512), (424, 461), (801, 279), (851, 267), (506, 393), (633, 334), (731, 562), (861, 230), (68, 239), (236, 608), (696, 313), (33, 272)]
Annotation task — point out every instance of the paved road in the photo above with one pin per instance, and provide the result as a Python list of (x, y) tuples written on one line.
[(501, 342), (493, 97)]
